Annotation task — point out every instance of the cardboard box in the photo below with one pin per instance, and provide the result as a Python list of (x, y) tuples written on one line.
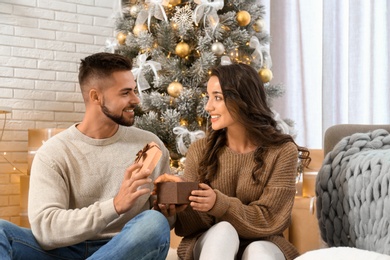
[(175, 192), (36, 137), (310, 173), (304, 232), (149, 156)]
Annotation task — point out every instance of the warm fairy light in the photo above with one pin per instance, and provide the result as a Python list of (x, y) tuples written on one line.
[(8, 161)]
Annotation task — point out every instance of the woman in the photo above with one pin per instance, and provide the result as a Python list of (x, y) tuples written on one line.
[(246, 171)]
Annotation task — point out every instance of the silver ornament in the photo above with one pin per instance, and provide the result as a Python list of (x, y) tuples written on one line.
[(217, 48), (182, 162), (258, 25), (134, 10)]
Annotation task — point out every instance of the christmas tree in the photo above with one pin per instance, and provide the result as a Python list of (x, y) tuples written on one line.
[(174, 44)]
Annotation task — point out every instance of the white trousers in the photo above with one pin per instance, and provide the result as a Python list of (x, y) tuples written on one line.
[(221, 242)]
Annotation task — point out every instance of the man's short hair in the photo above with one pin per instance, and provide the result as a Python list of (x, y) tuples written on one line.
[(102, 65)]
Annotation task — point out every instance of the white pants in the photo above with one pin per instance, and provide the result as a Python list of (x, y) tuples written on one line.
[(221, 242)]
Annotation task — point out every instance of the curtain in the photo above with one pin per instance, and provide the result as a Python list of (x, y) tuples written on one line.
[(333, 59)]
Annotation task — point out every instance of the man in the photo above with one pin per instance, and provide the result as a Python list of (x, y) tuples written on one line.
[(86, 198)]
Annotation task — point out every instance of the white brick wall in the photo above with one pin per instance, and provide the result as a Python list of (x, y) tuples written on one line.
[(41, 44)]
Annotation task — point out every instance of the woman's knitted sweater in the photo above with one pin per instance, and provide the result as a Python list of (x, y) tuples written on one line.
[(257, 211)]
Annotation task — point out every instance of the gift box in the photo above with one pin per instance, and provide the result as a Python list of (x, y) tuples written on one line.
[(149, 156), (175, 192), (304, 232), (310, 173), (36, 137)]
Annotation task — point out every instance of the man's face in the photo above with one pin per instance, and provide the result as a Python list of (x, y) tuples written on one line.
[(120, 99)]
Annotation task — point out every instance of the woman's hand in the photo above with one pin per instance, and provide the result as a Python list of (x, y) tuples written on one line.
[(204, 199)]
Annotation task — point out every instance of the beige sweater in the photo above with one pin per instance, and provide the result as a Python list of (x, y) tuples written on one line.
[(258, 212), (74, 179)]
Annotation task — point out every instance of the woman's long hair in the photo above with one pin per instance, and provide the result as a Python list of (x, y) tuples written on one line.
[(246, 100)]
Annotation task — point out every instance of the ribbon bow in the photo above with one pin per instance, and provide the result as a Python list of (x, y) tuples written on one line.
[(257, 54), (205, 6), (154, 8), (282, 125), (225, 60), (111, 45), (181, 132), (265, 59), (142, 83), (143, 153)]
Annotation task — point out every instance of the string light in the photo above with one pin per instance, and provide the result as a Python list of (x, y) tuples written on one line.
[(13, 165), (4, 110)]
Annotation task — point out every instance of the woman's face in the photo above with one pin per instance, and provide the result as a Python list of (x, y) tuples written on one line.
[(220, 117)]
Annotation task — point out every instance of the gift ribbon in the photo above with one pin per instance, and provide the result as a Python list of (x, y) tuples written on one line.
[(142, 83), (181, 131), (154, 8), (143, 153), (111, 44), (254, 43), (225, 60), (205, 6)]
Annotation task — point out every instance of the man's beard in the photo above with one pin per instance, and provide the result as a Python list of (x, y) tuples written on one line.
[(119, 119)]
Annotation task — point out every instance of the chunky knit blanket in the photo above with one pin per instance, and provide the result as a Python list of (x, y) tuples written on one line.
[(352, 190)]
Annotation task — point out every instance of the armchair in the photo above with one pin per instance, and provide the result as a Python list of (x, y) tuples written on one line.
[(353, 188)]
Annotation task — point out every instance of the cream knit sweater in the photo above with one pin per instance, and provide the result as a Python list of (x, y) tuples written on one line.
[(258, 212), (74, 179)]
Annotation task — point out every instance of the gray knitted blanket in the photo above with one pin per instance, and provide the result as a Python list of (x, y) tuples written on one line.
[(352, 190)]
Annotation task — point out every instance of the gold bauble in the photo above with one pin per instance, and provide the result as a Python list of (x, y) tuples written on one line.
[(199, 120), (182, 49), (121, 37), (183, 122), (174, 89), (265, 75), (258, 25), (174, 2), (139, 28), (243, 18)]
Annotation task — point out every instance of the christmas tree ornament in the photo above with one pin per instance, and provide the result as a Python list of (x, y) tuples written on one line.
[(243, 18), (217, 48), (134, 10), (139, 28), (121, 37), (174, 89), (200, 120), (182, 49), (265, 74), (183, 122), (258, 25), (174, 2), (182, 162)]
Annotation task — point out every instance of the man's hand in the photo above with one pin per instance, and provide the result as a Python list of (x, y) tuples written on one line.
[(169, 210), (129, 191), (203, 199)]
